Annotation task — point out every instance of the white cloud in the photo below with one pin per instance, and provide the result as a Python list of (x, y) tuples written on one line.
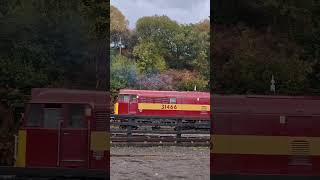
[(182, 11)]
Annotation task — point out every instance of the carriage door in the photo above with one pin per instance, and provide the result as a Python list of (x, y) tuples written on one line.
[(74, 137), (133, 104)]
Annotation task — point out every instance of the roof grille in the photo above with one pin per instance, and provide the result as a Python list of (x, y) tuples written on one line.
[(145, 100), (161, 100)]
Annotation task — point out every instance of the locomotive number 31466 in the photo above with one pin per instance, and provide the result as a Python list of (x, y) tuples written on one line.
[(165, 106)]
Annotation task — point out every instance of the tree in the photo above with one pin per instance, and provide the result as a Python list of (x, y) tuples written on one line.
[(119, 28), (155, 82), (202, 46), (97, 13), (123, 72), (185, 80), (50, 44), (118, 22), (245, 62), (149, 60), (296, 20), (160, 30), (180, 45)]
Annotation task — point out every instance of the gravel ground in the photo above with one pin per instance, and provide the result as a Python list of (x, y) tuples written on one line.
[(171, 162)]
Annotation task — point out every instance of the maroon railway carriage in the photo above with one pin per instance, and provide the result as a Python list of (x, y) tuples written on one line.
[(64, 133), (149, 103), (265, 137)]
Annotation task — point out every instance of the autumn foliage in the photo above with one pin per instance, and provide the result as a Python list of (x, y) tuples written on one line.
[(159, 54)]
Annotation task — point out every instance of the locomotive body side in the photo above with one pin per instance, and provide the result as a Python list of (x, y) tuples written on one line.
[(164, 103), (64, 131), (272, 137)]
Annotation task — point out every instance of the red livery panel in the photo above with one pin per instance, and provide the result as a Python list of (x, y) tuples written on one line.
[(265, 137)]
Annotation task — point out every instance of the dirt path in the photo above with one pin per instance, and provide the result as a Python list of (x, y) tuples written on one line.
[(160, 163)]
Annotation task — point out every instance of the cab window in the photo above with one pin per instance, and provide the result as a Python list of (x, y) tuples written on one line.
[(33, 117), (124, 98), (52, 114), (76, 116), (133, 97)]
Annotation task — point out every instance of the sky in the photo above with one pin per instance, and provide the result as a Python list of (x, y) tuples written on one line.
[(182, 11)]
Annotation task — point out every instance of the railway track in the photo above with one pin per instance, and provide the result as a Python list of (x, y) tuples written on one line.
[(150, 131), (157, 142), (148, 137)]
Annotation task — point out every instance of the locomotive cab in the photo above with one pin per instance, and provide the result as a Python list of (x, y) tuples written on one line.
[(126, 104), (64, 129), (69, 121)]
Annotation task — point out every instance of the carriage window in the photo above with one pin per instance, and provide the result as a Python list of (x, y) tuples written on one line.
[(77, 116), (34, 116), (173, 100), (52, 115)]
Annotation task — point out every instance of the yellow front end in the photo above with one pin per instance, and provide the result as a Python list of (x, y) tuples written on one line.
[(116, 108), (99, 141), (20, 149)]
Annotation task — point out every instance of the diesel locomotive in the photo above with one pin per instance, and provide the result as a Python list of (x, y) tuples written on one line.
[(265, 137), (63, 133), (148, 104)]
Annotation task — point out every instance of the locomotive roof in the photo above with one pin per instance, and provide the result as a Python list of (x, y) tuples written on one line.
[(156, 93), (266, 104), (268, 96), (55, 95)]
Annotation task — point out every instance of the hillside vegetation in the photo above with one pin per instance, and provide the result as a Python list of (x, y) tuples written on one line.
[(159, 54), (48, 43), (255, 39)]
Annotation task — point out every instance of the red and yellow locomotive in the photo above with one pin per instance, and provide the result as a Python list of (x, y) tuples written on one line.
[(149, 103), (63, 133), (265, 137)]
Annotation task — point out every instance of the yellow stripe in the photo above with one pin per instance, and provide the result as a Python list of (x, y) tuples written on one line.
[(177, 107), (21, 155), (268, 145), (100, 141), (116, 106)]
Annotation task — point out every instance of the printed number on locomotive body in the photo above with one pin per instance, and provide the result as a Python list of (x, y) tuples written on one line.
[(168, 107)]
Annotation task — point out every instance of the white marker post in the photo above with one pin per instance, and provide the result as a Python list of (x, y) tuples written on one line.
[(273, 86)]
